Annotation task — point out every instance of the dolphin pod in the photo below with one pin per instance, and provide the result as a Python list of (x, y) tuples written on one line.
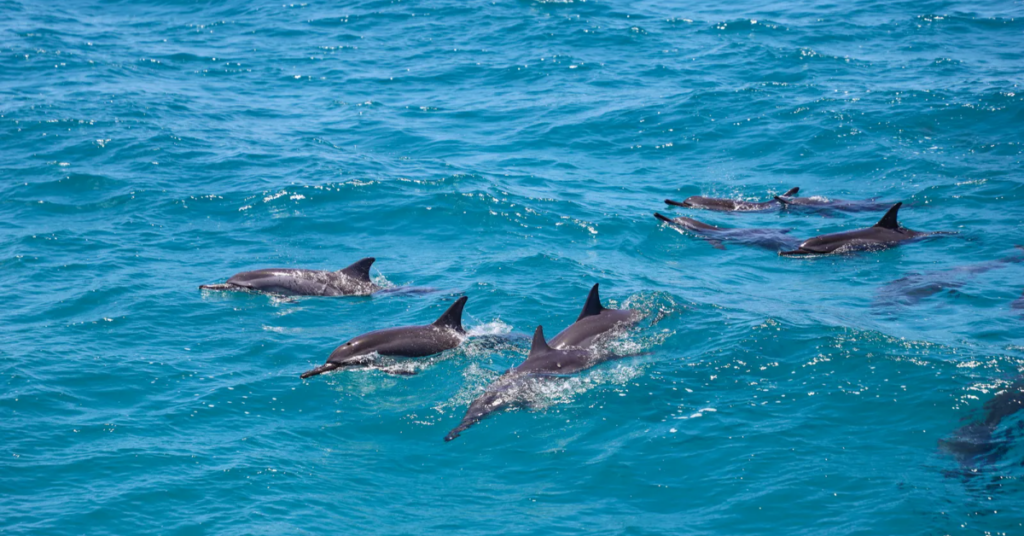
[(575, 349), (582, 345)]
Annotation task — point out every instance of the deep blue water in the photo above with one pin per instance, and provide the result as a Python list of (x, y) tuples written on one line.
[(514, 152)]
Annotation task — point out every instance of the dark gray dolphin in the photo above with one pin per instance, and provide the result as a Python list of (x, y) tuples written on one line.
[(728, 205), (773, 239), (409, 341), (514, 387), (351, 281), (594, 322), (973, 445), (912, 288), (1018, 303), (822, 203), (885, 234)]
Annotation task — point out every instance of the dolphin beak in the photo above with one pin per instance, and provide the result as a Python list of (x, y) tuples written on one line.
[(326, 367), (795, 253), (677, 203)]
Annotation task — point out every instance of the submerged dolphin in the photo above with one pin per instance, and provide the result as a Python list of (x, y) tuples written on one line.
[(773, 239), (973, 445), (1018, 303), (514, 387), (912, 288), (822, 203), (594, 322), (729, 205), (351, 281), (885, 234), (409, 341)]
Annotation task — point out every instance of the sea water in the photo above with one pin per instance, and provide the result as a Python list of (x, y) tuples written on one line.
[(513, 152)]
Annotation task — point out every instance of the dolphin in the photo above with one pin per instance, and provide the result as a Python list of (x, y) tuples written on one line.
[(593, 323), (513, 388), (885, 234), (773, 239), (351, 281), (729, 205), (912, 288), (822, 203), (1018, 303), (409, 341), (974, 445)]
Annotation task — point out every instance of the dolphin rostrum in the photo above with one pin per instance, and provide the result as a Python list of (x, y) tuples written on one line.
[(513, 388), (409, 341), (885, 234), (773, 239), (594, 322), (351, 281), (729, 205)]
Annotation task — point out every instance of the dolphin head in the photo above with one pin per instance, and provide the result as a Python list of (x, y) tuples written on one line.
[(353, 353), (494, 399)]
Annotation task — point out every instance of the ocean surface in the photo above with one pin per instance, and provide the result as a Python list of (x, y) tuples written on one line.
[(513, 152)]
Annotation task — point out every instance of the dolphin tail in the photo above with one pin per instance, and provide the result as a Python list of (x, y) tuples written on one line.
[(219, 286)]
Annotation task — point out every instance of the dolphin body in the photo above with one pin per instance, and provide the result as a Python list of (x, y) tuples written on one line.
[(573, 350), (351, 281), (513, 387), (912, 288), (409, 341), (1018, 303), (974, 445), (885, 234), (773, 239), (821, 203), (729, 205), (594, 322)]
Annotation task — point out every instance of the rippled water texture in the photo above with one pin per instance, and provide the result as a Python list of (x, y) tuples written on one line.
[(514, 152)]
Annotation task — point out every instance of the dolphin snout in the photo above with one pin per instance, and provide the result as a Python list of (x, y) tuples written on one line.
[(326, 367)]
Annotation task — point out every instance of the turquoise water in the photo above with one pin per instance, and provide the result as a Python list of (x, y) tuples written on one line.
[(513, 152)]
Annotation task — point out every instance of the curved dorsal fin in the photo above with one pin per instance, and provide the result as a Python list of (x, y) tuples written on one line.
[(889, 220), (593, 305), (360, 269), (539, 345), (452, 318), (791, 192)]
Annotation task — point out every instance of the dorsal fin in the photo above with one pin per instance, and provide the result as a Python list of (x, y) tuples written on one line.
[(539, 345), (791, 192), (360, 269), (593, 305), (889, 220), (452, 318)]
